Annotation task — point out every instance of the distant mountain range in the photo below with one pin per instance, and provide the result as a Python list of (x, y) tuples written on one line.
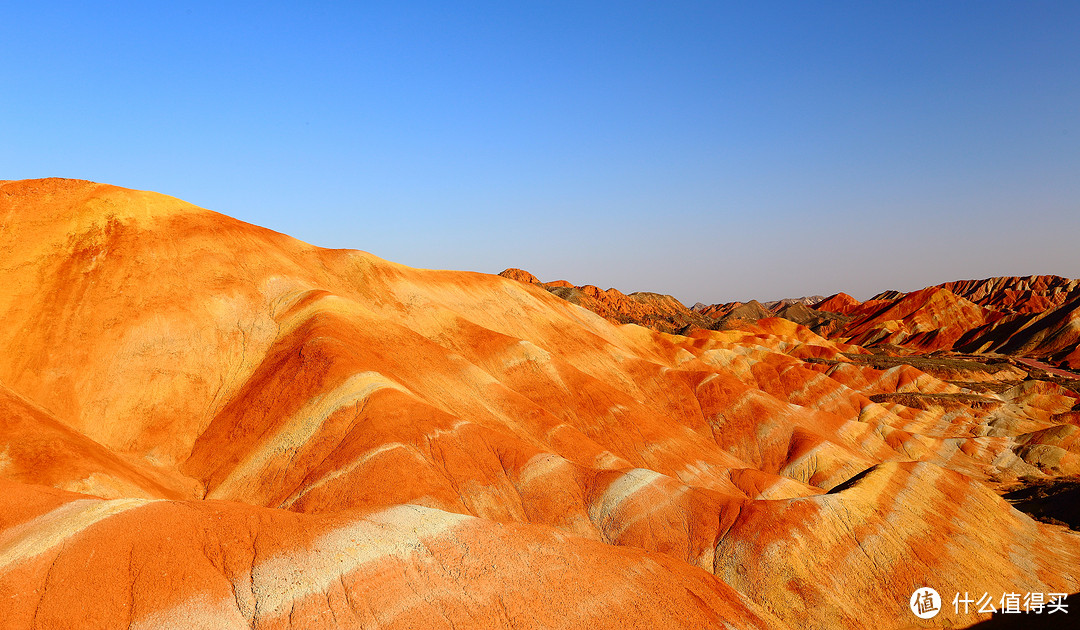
[(1030, 316)]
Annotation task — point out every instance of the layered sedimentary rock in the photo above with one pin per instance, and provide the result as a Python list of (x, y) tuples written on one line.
[(654, 310), (210, 424), (926, 320), (664, 313), (1034, 316), (1027, 294), (840, 303)]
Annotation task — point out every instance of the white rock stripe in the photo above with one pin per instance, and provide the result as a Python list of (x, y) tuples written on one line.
[(35, 537), (300, 428), (397, 532), (600, 512), (348, 470)]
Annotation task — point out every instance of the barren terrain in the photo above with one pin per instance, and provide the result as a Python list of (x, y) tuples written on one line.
[(208, 424)]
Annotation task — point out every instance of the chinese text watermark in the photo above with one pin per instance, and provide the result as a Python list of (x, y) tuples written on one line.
[(926, 603)]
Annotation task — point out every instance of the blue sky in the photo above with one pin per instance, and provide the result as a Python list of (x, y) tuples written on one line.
[(714, 151)]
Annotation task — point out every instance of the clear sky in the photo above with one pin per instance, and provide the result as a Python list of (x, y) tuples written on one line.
[(715, 151)]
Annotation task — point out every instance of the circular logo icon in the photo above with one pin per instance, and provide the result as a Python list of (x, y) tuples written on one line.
[(925, 603)]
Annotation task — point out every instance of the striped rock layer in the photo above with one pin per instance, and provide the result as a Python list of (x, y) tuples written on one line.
[(207, 424), (1032, 316)]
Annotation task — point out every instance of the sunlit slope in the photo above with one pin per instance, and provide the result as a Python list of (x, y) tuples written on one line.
[(1032, 316), (333, 436)]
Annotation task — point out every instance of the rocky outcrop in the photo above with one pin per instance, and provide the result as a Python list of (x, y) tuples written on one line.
[(1027, 294), (841, 303), (926, 320), (660, 312), (520, 275), (1035, 316), (664, 313)]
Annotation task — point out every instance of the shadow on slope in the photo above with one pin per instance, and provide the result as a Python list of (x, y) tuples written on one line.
[(1055, 501)]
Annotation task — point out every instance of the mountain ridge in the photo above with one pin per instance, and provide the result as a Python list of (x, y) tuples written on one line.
[(1010, 314), (211, 424)]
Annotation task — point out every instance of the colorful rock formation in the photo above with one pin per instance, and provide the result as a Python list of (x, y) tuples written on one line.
[(207, 424)]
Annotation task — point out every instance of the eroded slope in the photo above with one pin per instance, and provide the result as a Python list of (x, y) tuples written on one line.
[(263, 433)]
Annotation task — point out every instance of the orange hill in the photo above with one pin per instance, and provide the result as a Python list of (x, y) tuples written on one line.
[(1030, 294), (664, 313), (659, 312), (1035, 316), (926, 320), (210, 424), (839, 303)]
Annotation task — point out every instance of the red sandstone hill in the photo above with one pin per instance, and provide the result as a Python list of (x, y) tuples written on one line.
[(664, 313), (1035, 316), (653, 310), (1029, 294), (841, 303), (926, 320), (207, 424)]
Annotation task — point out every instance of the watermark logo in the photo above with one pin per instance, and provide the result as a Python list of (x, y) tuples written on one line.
[(925, 603), (1012, 603)]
